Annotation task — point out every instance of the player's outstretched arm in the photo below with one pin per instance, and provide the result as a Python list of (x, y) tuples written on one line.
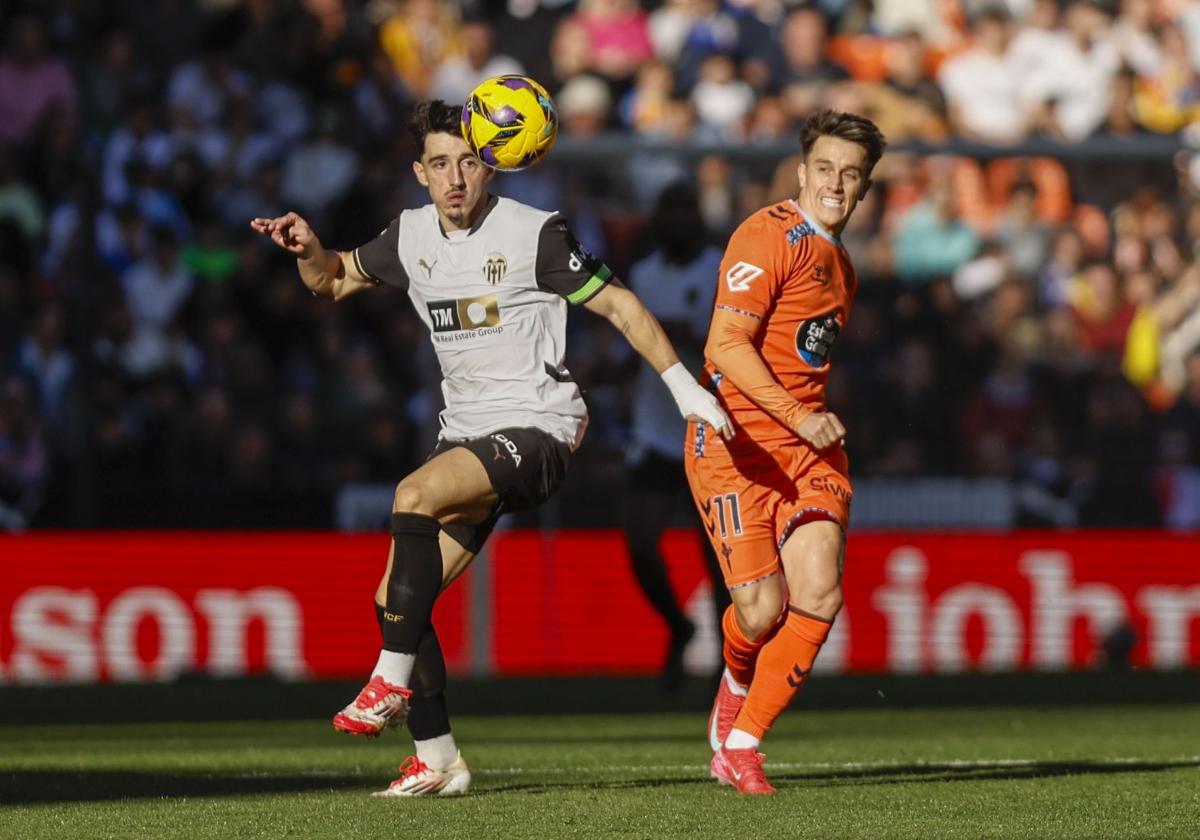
[(643, 332), (731, 349), (325, 273)]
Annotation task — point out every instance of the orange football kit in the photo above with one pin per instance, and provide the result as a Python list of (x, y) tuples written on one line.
[(783, 296), (789, 285)]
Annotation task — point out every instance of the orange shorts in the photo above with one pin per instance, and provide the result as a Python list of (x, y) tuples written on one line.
[(751, 497)]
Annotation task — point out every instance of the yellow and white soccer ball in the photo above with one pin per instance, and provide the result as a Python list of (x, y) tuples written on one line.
[(509, 122)]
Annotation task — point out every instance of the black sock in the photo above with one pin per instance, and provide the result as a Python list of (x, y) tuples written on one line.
[(414, 582), (428, 716)]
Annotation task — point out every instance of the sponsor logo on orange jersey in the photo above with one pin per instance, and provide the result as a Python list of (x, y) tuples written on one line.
[(828, 485), (738, 277)]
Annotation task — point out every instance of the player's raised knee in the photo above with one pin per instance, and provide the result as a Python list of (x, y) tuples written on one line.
[(409, 498), (758, 618)]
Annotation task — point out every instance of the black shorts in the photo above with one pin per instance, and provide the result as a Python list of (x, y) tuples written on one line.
[(525, 466)]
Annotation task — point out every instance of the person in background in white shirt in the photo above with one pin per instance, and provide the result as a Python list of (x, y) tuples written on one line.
[(458, 75), (676, 283), (981, 84), (1068, 94)]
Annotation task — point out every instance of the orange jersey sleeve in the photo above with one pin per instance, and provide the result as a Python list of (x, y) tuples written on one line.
[(785, 291)]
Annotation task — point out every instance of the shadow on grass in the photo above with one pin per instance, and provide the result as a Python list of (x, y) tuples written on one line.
[(44, 786), (894, 775), (933, 772), (27, 787)]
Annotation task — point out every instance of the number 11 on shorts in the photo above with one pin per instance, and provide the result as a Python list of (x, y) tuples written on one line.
[(734, 516)]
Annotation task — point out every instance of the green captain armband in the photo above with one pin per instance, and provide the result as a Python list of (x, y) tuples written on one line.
[(594, 284)]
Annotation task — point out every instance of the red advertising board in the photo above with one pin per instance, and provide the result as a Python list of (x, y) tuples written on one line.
[(152, 605)]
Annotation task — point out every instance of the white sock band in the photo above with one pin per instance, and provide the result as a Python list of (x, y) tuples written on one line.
[(739, 740), (439, 753), (394, 667), (739, 690)]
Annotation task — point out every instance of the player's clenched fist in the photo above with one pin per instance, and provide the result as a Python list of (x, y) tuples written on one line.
[(821, 429), (290, 232)]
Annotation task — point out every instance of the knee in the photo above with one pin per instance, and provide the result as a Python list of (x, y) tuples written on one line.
[(409, 498), (817, 598), (758, 618)]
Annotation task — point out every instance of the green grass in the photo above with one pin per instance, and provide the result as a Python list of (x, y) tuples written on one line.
[(1129, 772)]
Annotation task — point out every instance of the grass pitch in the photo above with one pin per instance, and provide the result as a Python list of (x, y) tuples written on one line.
[(1129, 772)]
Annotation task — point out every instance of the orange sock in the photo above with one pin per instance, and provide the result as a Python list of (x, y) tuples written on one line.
[(740, 652), (783, 666)]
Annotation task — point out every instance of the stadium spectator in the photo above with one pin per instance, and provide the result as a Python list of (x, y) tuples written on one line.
[(24, 455), (644, 107), (669, 26), (1134, 37), (417, 38), (618, 39), (156, 289), (1069, 91), (583, 106), (909, 104), (713, 30), (1185, 414), (1177, 481), (935, 21), (44, 359), (982, 83), (1101, 310), (201, 90), (1166, 97), (808, 69), (931, 240), (722, 101), (321, 171), (34, 87), (457, 75), (1023, 238)]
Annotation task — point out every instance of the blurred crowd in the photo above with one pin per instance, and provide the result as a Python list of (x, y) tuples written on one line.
[(1032, 318)]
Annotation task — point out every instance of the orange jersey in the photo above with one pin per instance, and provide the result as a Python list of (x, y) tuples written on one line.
[(789, 274)]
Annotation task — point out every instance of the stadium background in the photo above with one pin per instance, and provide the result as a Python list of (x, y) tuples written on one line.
[(1023, 351)]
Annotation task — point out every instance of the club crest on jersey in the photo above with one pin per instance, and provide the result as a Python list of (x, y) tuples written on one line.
[(815, 339), (464, 314), (495, 267)]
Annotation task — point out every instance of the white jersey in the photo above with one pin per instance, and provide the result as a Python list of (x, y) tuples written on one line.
[(495, 301)]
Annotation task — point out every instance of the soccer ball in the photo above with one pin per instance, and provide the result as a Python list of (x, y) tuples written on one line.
[(509, 122)]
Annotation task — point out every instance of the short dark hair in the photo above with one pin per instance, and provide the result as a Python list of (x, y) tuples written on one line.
[(846, 126), (434, 117)]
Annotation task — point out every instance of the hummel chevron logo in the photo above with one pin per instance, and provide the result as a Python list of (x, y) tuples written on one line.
[(796, 677), (739, 276)]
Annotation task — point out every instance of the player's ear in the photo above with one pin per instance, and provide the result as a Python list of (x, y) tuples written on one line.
[(800, 175), (419, 171), (866, 186)]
